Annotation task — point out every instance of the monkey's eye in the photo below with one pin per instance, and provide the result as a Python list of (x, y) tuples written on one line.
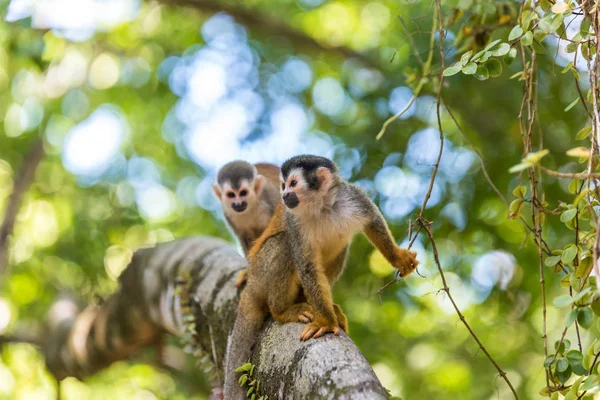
[(243, 192), (293, 183), (231, 195), (283, 186)]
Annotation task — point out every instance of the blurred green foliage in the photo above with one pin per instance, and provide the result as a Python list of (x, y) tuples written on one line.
[(75, 232)]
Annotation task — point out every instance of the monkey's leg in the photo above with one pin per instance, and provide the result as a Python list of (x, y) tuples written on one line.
[(341, 317), (250, 317), (318, 293), (283, 298), (302, 312), (379, 234)]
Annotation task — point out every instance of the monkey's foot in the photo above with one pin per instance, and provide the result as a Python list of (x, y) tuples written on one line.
[(241, 278), (317, 329), (301, 312), (341, 317), (406, 261)]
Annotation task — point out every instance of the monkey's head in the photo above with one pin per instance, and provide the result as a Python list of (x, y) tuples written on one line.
[(306, 180), (238, 186)]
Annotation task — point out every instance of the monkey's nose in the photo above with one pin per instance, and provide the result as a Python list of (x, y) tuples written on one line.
[(291, 200), (239, 207)]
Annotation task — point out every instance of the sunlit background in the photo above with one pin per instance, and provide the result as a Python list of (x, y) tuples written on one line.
[(139, 104)]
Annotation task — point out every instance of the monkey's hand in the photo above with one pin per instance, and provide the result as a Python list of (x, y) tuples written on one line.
[(241, 278), (341, 317), (318, 328), (405, 261)]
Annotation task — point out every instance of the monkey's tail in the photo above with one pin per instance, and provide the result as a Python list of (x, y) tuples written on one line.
[(239, 348)]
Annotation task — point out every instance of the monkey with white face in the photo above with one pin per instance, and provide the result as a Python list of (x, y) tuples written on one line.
[(249, 194), (324, 213), (303, 250)]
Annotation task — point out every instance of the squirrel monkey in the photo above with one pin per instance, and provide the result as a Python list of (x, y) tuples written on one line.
[(302, 252), (249, 194)]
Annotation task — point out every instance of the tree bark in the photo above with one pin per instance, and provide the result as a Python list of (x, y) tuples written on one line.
[(186, 288), (22, 183)]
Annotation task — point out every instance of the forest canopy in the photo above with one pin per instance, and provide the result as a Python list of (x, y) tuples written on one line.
[(116, 115)]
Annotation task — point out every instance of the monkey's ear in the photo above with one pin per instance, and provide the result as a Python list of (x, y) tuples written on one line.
[(216, 190), (324, 176), (259, 184)]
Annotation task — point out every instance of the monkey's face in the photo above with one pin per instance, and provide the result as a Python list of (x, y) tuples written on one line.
[(304, 189), (293, 189), (237, 198)]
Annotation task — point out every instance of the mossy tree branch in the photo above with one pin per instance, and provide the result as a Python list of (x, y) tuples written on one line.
[(147, 305)]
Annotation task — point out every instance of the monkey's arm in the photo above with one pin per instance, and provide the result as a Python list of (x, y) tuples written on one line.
[(378, 233), (334, 269)]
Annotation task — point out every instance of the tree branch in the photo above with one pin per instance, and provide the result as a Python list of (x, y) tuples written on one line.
[(149, 304), (257, 20), (22, 183)]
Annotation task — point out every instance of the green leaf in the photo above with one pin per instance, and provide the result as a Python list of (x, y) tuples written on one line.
[(568, 215), (552, 261), (502, 50), (464, 59), (589, 383), (527, 39), (482, 73), (596, 347), (510, 57), (539, 36), (584, 133), (569, 254), (579, 370), (571, 47), (245, 367), (515, 33), (571, 317), (584, 268), (469, 69), (585, 317), (562, 301), (519, 167), (453, 70), (545, 26), (519, 191), (576, 384), (581, 294), (494, 67), (567, 68), (584, 28), (562, 364), (574, 356), (563, 376), (574, 186), (492, 44), (478, 55), (536, 156), (548, 360), (573, 104), (595, 306), (538, 46), (514, 210), (561, 346)]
